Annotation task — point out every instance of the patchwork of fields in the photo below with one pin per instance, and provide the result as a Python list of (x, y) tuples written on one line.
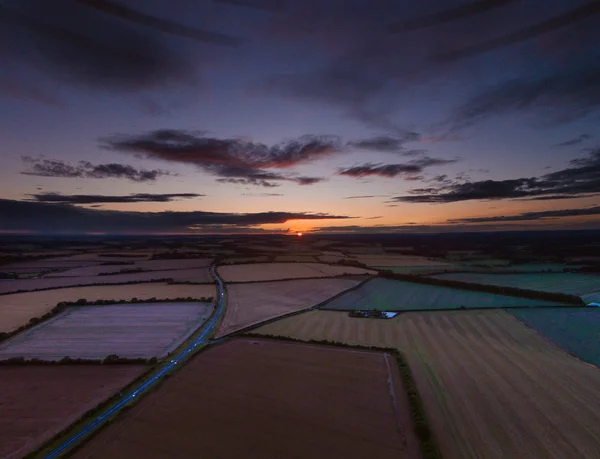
[(273, 271), (249, 304), (394, 295), (16, 309), (39, 401), (179, 275), (575, 330), (575, 284), (398, 260), (264, 399), (94, 332), (491, 386)]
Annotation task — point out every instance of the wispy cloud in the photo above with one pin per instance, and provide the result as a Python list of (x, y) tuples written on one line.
[(408, 171), (576, 141), (104, 199)]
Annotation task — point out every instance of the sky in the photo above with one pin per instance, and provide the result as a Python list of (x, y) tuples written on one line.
[(254, 116)]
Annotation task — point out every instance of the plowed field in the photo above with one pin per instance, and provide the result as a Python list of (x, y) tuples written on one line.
[(37, 402), (266, 399), (248, 304), (491, 386)]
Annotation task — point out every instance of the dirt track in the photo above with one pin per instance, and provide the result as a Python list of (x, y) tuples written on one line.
[(265, 399), (37, 402)]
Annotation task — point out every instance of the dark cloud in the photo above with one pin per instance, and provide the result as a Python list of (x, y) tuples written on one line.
[(407, 170), (233, 160), (576, 141), (64, 218), (94, 198), (388, 143), (75, 44), (269, 5), (528, 216), (562, 20), (441, 17), (129, 14), (581, 180), (43, 167), (558, 98)]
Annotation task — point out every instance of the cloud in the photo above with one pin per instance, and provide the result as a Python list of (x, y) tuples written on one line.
[(264, 195), (49, 218), (576, 141), (407, 170), (129, 14), (452, 14), (95, 199), (363, 197), (557, 98), (234, 160), (387, 143), (581, 180), (43, 167), (269, 5), (528, 216)]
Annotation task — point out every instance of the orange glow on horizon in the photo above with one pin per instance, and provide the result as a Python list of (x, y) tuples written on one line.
[(299, 234)]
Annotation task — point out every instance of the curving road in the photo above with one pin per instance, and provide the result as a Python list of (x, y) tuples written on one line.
[(146, 384)]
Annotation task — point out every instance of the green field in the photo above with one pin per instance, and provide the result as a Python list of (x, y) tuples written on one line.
[(576, 330), (571, 283), (393, 295)]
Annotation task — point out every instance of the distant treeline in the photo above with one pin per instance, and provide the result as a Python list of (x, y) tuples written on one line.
[(501, 290), (178, 256), (125, 271), (167, 280)]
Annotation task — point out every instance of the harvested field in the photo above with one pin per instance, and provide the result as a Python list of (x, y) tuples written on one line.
[(394, 295), (491, 386), (152, 265), (257, 259), (398, 260), (94, 332), (249, 304), (183, 275), (273, 271), (332, 258), (571, 283), (266, 399), (39, 401), (575, 330), (16, 309)]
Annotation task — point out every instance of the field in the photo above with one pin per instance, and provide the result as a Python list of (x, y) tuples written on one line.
[(152, 265), (575, 284), (39, 401), (295, 258), (264, 399), (94, 332), (273, 271), (393, 295), (575, 330), (398, 260), (491, 386), (420, 269), (16, 309), (249, 304), (181, 275)]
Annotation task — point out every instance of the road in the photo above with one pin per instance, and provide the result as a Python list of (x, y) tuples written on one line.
[(152, 380)]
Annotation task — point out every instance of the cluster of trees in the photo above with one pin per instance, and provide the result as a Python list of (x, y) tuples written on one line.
[(112, 359), (355, 263), (502, 290), (374, 314), (134, 300)]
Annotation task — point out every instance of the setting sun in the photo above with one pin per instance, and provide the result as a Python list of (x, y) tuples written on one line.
[(299, 234)]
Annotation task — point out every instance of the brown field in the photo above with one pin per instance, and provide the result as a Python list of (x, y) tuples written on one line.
[(397, 260), (18, 308), (257, 259), (266, 399), (249, 304), (332, 258), (491, 386), (296, 258), (39, 401), (273, 271), (178, 275)]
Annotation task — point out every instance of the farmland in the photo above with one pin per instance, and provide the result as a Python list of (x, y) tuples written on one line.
[(393, 295), (94, 332), (16, 309), (575, 330), (39, 401), (248, 304), (179, 275), (398, 260), (491, 386), (576, 284), (274, 271), (150, 265), (260, 399)]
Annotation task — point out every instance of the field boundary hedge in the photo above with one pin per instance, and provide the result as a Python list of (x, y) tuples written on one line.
[(420, 422), (502, 290), (341, 276)]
